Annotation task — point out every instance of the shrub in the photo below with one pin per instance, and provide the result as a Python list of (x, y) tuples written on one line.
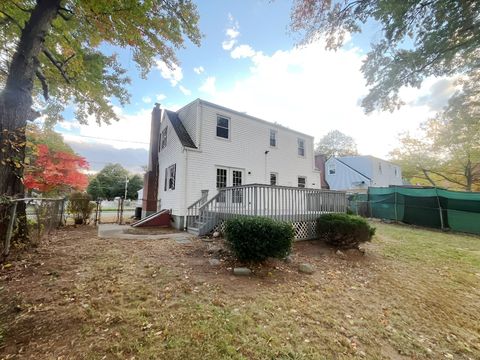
[(257, 238), (80, 205), (344, 231)]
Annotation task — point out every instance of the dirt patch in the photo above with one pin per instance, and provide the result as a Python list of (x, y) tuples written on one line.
[(150, 230), (77, 296)]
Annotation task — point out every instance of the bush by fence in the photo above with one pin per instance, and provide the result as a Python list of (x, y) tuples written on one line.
[(257, 238), (344, 231)]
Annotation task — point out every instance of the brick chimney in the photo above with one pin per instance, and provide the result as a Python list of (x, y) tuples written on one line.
[(320, 160), (150, 180)]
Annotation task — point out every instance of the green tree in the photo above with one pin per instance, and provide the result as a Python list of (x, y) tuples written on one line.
[(419, 38), (135, 183), (110, 183), (336, 143), (61, 50)]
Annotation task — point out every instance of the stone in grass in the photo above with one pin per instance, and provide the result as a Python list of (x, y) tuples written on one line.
[(242, 271), (306, 268), (214, 262)]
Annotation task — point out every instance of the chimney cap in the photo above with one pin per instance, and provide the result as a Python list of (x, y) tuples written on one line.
[(157, 105)]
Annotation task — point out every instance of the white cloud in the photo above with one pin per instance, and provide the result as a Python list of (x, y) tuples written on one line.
[(171, 72), (198, 70), (184, 90), (68, 125), (160, 97), (131, 131), (147, 99), (232, 34), (209, 86), (314, 91), (242, 51)]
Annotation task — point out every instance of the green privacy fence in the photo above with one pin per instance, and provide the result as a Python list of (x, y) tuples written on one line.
[(430, 207)]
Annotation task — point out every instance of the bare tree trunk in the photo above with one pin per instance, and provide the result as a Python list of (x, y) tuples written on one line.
[(16, 101)]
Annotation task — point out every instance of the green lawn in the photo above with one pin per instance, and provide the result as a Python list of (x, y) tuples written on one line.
[(415, 294)]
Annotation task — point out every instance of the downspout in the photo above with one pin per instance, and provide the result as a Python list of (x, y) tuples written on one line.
[(185, 189)]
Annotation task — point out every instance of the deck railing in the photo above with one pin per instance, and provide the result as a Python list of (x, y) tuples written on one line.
[(278, 202)]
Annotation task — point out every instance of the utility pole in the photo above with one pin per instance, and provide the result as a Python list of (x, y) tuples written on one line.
[(126, 187)]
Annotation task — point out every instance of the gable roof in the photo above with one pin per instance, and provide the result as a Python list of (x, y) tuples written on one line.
[(180, 130), (340, 161)]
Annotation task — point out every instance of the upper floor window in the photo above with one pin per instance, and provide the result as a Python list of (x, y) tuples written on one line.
[(273, 178), (379, 168), (163, 138), (301, 147), (302, 181), (223, 127), (332, 169), (273, 138)]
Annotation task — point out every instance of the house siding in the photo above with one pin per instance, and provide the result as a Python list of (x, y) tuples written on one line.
[(351, 171), (188, 116), (245, 151), (171, 154)]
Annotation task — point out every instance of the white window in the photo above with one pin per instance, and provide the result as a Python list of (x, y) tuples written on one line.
[(223, 125), (301, 147), (273, 138), (273, 178), (237, 194), (170, 175), (302, 181), (221, 183), (163, 138), (332, 169)]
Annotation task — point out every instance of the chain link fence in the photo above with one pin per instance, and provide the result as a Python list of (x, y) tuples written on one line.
[(40, 217)]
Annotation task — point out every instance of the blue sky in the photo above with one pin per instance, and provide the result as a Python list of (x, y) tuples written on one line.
[(248, 61)]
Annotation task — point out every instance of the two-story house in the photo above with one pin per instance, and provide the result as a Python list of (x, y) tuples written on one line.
[(357, 173), (204, 147)]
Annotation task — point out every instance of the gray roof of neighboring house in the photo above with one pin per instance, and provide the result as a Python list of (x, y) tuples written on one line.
[(180, 130), (357, 171)]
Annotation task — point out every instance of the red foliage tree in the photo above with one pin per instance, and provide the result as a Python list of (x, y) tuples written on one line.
[(55, 171)]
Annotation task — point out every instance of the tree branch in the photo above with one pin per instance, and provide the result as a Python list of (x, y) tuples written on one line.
[(447, 178), (57, 64), (12, 19)]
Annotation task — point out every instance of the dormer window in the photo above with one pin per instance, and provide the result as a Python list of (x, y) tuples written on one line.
[(223, 127)]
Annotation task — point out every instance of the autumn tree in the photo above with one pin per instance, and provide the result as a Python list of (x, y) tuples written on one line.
[(55, 172), (336, 143), (56, 53), (419, 38), (447, 154)]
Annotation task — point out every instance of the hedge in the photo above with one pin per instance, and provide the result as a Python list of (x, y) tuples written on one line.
[(344, 231), (257, 238)]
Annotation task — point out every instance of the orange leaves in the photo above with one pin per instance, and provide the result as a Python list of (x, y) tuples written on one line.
[(54, 171)]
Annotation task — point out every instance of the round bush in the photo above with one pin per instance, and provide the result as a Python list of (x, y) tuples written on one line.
[(257, 238), (344, 231)]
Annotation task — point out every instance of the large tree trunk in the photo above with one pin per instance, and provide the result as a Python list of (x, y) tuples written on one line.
[(16, 101)]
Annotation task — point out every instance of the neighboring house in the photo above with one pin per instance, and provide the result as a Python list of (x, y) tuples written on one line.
[(204, 147), (357, 173)]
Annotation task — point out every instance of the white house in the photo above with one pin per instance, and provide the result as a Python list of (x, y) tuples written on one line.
[(357, 173), (204, 147)]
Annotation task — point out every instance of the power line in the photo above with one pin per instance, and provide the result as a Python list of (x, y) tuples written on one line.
[(100, 138)]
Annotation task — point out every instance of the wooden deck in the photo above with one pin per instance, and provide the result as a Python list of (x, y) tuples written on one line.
[(277, 202)]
